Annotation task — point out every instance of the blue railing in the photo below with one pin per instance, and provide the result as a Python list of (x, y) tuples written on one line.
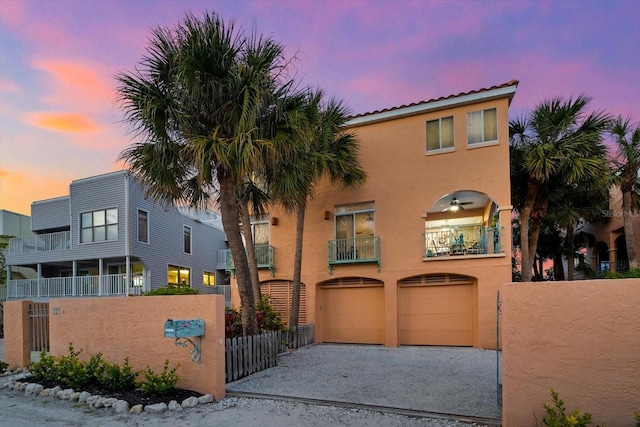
[(472, 240), (265, 256), (355, 250)]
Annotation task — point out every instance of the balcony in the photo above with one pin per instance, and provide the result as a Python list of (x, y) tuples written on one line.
[(353, 251), (79, 286), (52, 242), (264, 257), (463, 240)]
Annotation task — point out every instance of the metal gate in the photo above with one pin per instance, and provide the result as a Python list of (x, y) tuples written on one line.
[(498, 352), (38, 329)]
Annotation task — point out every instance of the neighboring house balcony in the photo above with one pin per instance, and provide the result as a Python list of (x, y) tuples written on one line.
[(464, 240), (52, 242), (354, 251), (79, 286), (265, 256)]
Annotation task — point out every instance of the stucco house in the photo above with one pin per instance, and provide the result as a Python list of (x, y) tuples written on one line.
[(605, 241), (415, 256), (106, 238)]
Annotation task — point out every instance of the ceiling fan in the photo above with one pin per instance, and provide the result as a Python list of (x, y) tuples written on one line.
[(456, 205)]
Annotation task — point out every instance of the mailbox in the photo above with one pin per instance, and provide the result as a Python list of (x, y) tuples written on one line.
[(183, 328)]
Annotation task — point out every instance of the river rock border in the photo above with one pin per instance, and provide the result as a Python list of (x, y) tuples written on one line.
[(18, 381)]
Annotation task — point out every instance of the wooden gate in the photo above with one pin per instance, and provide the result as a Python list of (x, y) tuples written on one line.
[(38, 328)]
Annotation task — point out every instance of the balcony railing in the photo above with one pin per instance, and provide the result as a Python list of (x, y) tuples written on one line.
[(265, 255), (79, 286), (473, 240), (40, 243), (355, 250)]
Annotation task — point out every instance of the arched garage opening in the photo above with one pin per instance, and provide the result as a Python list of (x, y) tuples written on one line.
[(351, 310), (279, 292), (437, 309)]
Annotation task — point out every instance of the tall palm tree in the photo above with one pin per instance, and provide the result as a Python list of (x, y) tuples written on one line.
[(627, 164), (325, 148), (560, 145), (197, 102)]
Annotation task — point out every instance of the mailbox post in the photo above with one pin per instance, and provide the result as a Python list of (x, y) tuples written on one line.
[(182, 331)]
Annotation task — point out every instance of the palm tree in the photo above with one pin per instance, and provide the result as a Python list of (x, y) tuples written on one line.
[(198, 102), (325, 148), (627, 164), (561, 145)]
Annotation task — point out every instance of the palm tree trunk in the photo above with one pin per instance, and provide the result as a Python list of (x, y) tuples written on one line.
[(558, 269), (294, 313), (629, 238), (251, 252), (526, 261), (229, 212), (571, 254)]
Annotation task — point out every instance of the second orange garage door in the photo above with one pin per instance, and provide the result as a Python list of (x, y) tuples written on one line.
[(435, 315), (353, 314)]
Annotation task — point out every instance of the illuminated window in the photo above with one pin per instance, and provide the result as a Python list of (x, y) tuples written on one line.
[(209, 279), (178, 277), (99, 226)]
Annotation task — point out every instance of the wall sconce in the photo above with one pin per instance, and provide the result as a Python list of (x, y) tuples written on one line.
[(327, 215), (274, 221)]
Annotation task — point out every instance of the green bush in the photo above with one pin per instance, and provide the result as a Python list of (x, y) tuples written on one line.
[(637, 417), (615, 275), (162, 383), (3, 366), (46, 369), (556, 414), (118, 378), (268, 318), (74, 373), (172, 290)]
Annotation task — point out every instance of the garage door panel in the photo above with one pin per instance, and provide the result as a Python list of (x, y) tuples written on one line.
[(353, 315), (436, 315)]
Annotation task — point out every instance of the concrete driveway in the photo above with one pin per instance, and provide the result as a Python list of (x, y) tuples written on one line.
[(445, 380)]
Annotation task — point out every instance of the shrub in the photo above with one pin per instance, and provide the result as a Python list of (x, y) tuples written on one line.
[(3, 366), (118, 378), (637, 417), (232, 323), (615, 275), (162, 383), (268, 318), (45, 369), (557, 417), (172, 290), (74, 373)]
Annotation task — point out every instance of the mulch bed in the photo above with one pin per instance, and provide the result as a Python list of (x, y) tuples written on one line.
[(134, 397)]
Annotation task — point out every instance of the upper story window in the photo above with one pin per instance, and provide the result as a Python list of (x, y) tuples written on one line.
[(482, 126), (187, 239), (260, 231), (354, 221), (99, 226), (439, 134), (143, 226)]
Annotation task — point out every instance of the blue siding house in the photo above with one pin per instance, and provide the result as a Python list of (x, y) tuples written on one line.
[(106, 239)]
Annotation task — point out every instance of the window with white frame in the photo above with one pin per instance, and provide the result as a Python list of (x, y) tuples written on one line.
[(354, 231), (209, 278), (178, 276), (260, 230), (440, 134), (143, 226), (482, 126), (99, 226), (187, 239)]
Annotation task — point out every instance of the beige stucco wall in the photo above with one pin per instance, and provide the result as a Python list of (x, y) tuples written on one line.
[(16, 333), (580, 338), (134, 327)]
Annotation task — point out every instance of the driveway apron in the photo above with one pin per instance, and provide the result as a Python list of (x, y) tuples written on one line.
[(446, 380)]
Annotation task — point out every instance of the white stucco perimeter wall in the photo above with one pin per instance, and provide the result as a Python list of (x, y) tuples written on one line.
[(580, 338)]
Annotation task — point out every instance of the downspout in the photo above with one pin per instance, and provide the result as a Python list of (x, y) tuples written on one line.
[(126, 236)]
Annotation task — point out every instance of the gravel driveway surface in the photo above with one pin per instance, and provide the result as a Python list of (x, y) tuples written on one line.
[(448, 380)]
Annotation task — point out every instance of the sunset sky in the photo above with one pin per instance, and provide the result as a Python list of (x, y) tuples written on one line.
[(59, 122)]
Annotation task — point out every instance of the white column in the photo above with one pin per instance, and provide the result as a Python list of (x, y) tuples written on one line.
[(100, 283), (74, 278)]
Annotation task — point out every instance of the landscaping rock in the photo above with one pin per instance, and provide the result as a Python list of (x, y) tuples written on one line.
[(83, 396), (75, 396), (190, 402), (65, 394), (207, 398), (175, 406), (91, 400), (158, 408), (137, 409), (33, 389), (121, 406)]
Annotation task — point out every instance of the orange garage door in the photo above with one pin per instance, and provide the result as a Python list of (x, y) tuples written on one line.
[(435, 315), (353, 314)]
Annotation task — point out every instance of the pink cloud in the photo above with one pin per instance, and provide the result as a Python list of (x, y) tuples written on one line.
[(64, 122), (76, 84)]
